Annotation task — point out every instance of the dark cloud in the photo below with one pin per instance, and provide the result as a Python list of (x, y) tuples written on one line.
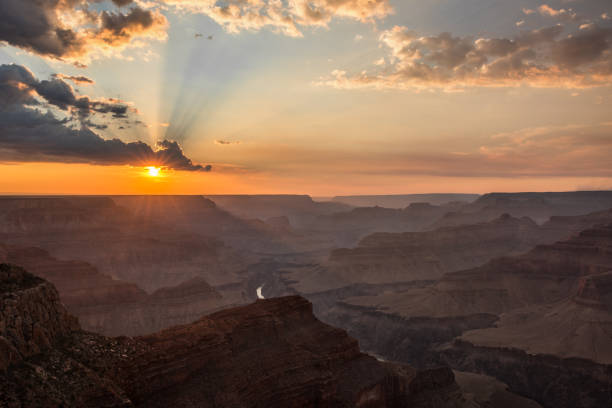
[(226, 142), (36, 25), (29, 131), (118, 28), (171, 155), (77, 79), (18, 83), (33, 25), (121, 3)]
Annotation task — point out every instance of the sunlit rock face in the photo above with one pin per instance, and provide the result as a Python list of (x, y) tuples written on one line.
[(272, 353)]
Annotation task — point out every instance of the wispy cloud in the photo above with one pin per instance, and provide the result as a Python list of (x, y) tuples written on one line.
[(227, 142), (288, 18), (77, 79)]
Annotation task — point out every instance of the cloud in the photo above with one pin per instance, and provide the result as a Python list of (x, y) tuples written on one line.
[(18, 82), (286, 17), (226, 142), (31, 131), (121, 3), (562, 14), (70, 30), (541, 58), (77, 79)]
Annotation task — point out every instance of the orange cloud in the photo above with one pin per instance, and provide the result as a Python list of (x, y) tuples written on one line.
[(539, 58), (563, 14), (285, 17)]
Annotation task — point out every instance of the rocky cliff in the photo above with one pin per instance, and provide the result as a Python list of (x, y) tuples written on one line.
[(32, 318), (273, 353)]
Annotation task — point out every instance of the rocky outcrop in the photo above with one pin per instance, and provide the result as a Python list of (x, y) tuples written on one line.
[(272, 353), (32, 318), (275, 353)]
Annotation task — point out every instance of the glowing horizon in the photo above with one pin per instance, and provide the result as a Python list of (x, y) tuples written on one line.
[(377, 97)]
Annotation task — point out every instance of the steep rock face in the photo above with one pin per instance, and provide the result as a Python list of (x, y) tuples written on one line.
[(31, 316), (273, 353), (114, 307), (552, 381), (393, 257)]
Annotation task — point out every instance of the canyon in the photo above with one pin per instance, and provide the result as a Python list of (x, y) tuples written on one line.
[(500, 301), (272, 353)]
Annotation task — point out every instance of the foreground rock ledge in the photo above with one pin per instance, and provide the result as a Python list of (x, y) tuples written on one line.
[(273, 353)]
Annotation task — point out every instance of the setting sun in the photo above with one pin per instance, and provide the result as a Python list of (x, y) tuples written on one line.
[(153, 171)]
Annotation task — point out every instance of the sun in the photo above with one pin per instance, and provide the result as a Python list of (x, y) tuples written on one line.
[(153, 171)]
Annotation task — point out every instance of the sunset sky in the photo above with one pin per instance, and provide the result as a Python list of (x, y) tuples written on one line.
[(321, 97)]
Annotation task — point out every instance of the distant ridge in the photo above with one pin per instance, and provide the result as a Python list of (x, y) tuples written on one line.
[(404, 200)]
